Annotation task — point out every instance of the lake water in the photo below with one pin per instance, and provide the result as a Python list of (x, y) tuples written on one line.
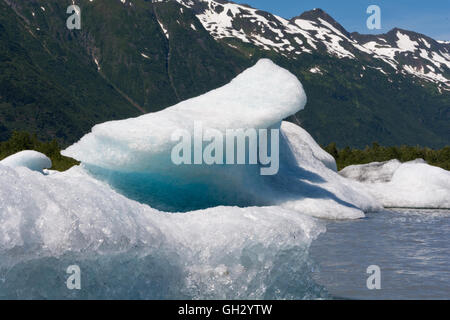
[(411, 247)]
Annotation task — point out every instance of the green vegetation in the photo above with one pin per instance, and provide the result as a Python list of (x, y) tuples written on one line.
[(50, 83), (348, 156), (20, 141)]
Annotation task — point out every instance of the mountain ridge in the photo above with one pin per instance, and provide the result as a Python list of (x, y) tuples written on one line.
[(315, 25), (361, 88)]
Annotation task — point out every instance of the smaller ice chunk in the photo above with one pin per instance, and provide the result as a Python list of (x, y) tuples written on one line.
[(372, 172), (413, 184), (30, 159)]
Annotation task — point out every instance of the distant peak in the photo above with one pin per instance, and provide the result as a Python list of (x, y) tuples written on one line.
[(395, 30), (316, 14), (412, 34)]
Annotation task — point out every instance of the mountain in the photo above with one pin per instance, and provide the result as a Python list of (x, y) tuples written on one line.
[(400, 50), (141, 56)]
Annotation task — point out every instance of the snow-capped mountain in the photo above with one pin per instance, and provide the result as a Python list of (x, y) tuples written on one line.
[(399, 50), (411, 53), (137, 56)]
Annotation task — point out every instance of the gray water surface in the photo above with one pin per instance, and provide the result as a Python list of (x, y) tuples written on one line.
[(411, 247)]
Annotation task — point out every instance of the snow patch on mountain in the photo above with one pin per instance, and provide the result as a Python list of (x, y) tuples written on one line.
[(315, 31), (405, 43), (165, 31)]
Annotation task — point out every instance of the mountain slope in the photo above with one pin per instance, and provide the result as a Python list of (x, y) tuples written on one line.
[(47, 87), (390, 88), (316, 31), (119, 65)]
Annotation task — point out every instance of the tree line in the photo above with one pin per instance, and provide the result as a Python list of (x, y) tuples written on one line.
[(349, 156)]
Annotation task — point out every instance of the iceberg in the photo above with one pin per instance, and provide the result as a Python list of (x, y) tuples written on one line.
[(141, 227), (413, 184), (371, 172), (30, 159), (134, 155)]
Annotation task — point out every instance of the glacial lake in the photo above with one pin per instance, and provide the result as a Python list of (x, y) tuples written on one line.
[(411, 247)]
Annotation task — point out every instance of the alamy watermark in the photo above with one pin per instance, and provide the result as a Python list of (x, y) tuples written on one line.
[(74, 20), (374, 20), (374, 280), (74, 280), (234, 146)]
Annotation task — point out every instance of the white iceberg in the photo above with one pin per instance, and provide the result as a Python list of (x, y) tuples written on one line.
[(30, 159), (134, 155), (413, 184)]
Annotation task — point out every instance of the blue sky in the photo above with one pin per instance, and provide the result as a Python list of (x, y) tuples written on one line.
[(431, 17)]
